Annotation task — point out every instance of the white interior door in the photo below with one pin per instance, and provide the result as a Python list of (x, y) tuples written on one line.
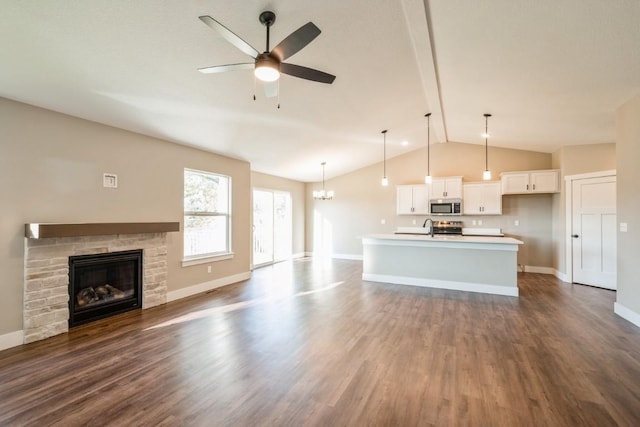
[(272, 226), (594, 231)]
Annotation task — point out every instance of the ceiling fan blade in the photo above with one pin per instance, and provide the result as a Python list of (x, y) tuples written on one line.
[(228, 67), (230, 36), (296, 41), (306, 73), (270, 89)]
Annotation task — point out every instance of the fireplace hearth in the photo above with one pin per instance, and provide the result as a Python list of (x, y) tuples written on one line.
[(102, 285)]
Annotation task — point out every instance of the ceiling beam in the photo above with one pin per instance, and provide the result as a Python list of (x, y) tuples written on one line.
[(419, 25)]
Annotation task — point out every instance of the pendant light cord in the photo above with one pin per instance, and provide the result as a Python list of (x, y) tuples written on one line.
[(486, 144), (384, 154), (323, 163), (428, 116)]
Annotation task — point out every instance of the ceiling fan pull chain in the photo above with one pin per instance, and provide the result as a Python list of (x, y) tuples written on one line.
[(254, 87), (278, 94)]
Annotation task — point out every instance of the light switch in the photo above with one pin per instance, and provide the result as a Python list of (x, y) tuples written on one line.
[(414, 222), (516, 222), (383, 221), (623, 227)]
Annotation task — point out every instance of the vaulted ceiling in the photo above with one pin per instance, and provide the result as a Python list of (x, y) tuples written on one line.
[(551, 72)]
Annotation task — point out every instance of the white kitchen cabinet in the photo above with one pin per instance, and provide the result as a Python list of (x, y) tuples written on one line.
[(446, 188), (412, 200), (482, 198), (526, 182)]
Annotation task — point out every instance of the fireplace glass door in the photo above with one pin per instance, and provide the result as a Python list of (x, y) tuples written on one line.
[(102, 285)]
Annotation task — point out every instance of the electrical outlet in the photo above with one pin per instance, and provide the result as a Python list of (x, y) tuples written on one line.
[(474, 222), (383, 221), (623, 227), (479, 222), (209, 269), (414, 222), (516, 222)]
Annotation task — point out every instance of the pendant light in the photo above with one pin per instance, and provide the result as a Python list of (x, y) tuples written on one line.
[(322, 194), (385, 180), (427, 178), (486, 175)]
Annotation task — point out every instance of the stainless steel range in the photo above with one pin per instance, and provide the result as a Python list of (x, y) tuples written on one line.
[(447, 227)]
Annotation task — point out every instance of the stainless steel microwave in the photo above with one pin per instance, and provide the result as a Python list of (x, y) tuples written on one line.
[(445, 207)]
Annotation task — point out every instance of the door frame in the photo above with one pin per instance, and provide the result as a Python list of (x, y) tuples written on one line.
[(273, 192), (568, 215)]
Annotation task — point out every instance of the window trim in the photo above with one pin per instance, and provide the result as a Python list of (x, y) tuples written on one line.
[(211, 256)]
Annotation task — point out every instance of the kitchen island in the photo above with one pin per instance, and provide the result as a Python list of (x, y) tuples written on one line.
[(465, 263)]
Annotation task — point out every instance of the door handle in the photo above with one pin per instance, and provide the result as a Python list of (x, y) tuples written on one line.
[(575, 236)]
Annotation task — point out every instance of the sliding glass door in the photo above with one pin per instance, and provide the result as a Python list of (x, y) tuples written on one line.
[(272, 226)]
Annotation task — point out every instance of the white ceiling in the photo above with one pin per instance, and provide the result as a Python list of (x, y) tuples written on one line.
[(552, 73)]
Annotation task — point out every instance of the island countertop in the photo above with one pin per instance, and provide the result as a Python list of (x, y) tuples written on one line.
[(477, 242), (486, 264)]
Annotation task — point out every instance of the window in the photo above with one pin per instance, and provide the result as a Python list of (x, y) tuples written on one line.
[(207, 215)]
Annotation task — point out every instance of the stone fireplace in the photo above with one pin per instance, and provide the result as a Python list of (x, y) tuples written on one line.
[(48, 249)]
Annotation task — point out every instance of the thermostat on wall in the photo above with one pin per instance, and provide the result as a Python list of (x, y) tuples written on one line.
[(110, 180)]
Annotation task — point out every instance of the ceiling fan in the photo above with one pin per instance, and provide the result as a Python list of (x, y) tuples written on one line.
[(269, 65)]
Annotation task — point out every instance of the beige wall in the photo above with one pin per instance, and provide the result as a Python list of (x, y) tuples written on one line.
[(296, 188), (574, 160), (628, 203), (361, 203), (51, 167)]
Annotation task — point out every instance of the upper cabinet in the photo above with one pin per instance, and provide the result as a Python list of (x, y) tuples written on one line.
[(482, 198), (526, 182), (446, 188), (412, 200)]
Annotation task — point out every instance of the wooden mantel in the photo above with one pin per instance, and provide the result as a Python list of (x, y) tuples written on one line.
[(48, 230)]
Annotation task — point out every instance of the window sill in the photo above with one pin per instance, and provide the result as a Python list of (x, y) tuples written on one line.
[(207, 259)]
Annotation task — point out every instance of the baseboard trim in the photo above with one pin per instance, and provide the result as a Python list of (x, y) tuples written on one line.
[(299, 255), (347, 256), (443, 284), (353, 257), (536, 269), (560, 275), (12, 339), (626, 313), (207, 286)]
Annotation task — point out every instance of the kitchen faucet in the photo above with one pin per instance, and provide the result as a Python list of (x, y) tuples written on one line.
[(424, 224)]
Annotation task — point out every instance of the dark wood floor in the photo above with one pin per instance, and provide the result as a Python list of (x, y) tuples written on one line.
[(310, 343)]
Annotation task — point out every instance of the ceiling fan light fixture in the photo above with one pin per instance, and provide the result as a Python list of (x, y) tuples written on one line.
[(267, 69)]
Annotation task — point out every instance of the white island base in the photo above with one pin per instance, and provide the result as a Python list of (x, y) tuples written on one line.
[(465, 263)]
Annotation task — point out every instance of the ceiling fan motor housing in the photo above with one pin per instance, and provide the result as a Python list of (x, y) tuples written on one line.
[(267, 60)]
